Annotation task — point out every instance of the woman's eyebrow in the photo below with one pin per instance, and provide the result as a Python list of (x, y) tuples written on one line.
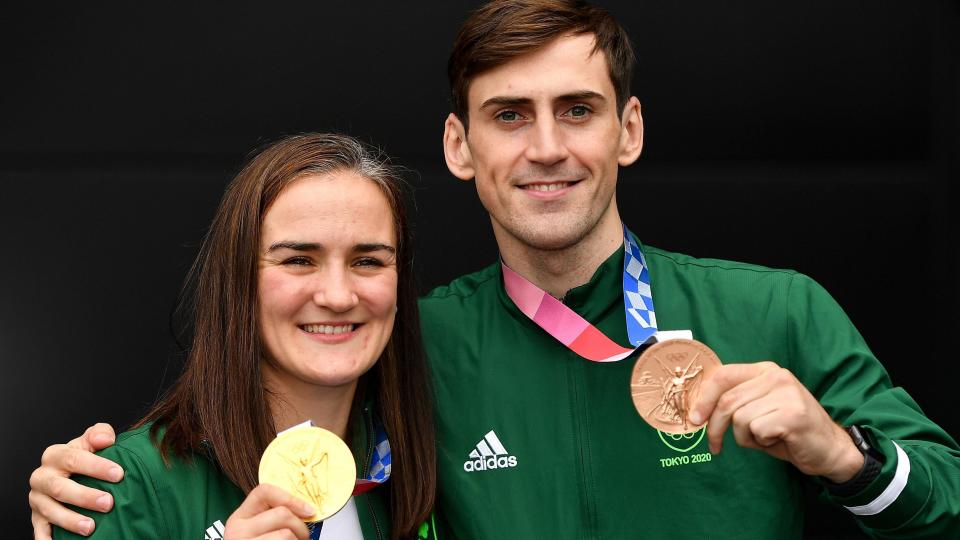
[(373, 246), (296, 246), (366, 247)]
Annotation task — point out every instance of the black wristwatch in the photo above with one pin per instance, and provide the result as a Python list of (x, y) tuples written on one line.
[(872, 463)]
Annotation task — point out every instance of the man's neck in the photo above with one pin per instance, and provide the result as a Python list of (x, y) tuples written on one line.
[(557, 271)]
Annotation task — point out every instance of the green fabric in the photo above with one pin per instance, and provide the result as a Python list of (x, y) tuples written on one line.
[(586, 464), (191, 499)]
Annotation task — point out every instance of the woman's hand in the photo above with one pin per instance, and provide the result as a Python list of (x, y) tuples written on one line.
[(271, 513), (50, 484)]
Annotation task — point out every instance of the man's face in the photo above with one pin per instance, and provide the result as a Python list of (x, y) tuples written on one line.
[(544, 143)]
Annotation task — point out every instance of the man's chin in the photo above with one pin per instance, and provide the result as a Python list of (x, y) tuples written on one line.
[(546, 235)]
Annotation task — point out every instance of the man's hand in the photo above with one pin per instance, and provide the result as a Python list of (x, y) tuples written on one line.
[(271, 513), (51, 483), (770, 410)]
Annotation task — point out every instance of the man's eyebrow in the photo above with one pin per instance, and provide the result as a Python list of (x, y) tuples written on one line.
[(582, 95), (296, 246), (505, 101), (514, 101)]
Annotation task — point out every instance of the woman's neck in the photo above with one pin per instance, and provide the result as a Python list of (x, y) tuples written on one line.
[(293, 401)]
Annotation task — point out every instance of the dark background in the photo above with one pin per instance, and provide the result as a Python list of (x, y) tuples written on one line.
[(817, 135)]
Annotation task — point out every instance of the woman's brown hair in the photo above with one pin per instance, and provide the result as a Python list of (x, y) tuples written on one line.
[(219, 404)]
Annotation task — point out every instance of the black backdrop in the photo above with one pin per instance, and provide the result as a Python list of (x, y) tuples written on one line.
[(818, 135)]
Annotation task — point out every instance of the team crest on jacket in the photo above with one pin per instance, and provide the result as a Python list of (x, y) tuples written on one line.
[(682, 442), (489, 454)]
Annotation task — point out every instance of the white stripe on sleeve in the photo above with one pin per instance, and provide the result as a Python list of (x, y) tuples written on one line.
[(893, 490)]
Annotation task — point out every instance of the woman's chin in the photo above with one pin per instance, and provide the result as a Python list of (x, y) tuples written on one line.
[(286, 380), (334, 378), (335, 382)]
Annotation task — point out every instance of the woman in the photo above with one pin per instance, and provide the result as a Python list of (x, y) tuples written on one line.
[(303, 309)]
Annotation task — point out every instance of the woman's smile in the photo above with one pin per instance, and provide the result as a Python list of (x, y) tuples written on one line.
[(331, 332)]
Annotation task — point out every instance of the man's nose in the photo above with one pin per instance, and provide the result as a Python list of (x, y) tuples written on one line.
[(546, 144)]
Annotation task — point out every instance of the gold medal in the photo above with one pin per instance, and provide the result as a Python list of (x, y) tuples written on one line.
[(312, 464), (666, 382)]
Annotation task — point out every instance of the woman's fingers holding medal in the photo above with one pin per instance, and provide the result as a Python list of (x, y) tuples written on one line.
[(770, 410), (269, 512)]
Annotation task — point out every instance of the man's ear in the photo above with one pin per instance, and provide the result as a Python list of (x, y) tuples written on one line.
[(456, 151), (631, 133)]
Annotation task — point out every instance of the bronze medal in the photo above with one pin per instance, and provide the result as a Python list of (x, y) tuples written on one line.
[(312, 464), (666, 382)]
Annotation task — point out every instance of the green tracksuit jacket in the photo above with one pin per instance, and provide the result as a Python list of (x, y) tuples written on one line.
[(536, 442), (194, 499)]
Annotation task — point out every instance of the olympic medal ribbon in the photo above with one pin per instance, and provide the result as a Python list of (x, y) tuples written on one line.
[(315, 528), (569, 328), (380, 463)]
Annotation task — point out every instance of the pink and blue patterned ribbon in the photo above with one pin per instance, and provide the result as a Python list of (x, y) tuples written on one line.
[(637, 295), (380, 463), (577, 333)]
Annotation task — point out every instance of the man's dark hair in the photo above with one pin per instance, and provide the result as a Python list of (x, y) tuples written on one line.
[(502, 30)]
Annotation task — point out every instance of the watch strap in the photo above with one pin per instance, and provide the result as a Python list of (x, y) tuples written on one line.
[(872, 464)]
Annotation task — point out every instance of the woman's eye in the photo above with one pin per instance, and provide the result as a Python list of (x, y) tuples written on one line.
[(297, 261), (368, 261)]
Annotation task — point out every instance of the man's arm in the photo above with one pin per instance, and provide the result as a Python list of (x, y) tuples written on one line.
[(51, 486), (834, 380)]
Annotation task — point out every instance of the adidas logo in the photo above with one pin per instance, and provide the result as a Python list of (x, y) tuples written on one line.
[(489, 454), (215, 531)]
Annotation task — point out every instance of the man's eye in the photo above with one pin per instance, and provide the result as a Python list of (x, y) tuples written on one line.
[(579, 111), (509, 116)]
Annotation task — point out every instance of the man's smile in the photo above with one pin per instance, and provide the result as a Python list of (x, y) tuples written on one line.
[(552, 186)]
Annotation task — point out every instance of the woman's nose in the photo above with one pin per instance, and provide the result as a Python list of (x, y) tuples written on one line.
[(335, 291)]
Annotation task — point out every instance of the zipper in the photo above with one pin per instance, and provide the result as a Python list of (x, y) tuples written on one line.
[(368, 422), (368, 428), (582, 441)]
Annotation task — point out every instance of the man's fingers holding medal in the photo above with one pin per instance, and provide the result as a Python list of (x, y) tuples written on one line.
[(761, 403), (747, 422), (770, 410), (269, 512), (724, 394)]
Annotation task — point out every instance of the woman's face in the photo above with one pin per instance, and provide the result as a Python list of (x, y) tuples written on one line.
[(328, 279)]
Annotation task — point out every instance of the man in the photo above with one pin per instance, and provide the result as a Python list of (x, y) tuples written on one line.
[(535, 440)]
